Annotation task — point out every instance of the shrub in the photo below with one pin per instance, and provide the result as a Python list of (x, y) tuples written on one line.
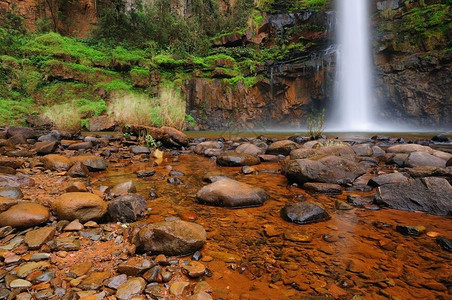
[(315, 123), (65, 117), (88, 108)]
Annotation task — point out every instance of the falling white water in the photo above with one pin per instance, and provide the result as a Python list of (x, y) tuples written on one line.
[(353, 109)]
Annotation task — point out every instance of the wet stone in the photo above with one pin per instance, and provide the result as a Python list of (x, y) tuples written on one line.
[(81, 206), (20, 283), (234, 159), (171, 238), (194, 269), (358, 201), (39, 256), (24, 215), (94, 280), (410, 230), (140, 150), (231, 193), (116, 281), (341, 205), (11, 192), (323, 188), (78, 170), (79, 269), (302, 237), (46, 276), (445, 243), (135, 266), (145, 173), (123, 188), (30, 267), (304, 213), (70, 243), (153, 274), (92, 162), (127, 208), (74, 226), (178, 288)]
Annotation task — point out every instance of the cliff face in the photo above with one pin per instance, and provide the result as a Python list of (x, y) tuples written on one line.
[(412, 53), (413, 57)]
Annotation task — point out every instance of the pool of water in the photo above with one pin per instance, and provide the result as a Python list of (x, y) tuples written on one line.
[(356, 253)]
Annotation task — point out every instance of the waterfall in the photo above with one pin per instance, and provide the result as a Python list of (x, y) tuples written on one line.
[(352, 111)]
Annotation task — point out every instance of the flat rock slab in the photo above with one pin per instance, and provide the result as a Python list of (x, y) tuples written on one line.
[(330, 169), (323, 188), (423, 159), (304, 213), (430, 194), (171, 238), (36, 238), (56, 162), (24, 215), (231, 193), (79, 205), (234, 159), (408, 148), (344, 151), (387, 179)]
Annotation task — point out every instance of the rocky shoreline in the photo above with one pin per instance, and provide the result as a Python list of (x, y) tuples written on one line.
[(64, 234)]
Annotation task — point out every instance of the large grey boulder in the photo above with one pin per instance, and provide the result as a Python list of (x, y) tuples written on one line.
[(330, 169), (429, 194)]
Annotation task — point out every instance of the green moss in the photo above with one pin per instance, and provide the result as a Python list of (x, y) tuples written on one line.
[(167, 61), (13, 112), (140, 72), (89, 108), (129, 56), (53, 44), (115, 85)]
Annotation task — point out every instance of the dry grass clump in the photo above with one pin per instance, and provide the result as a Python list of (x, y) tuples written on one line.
[(172, 108), (132, 109), (65, 117), (168, 109)]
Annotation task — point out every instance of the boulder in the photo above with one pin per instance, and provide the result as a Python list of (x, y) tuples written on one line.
[(79, 205), (56, 162), (47, 147), (249, 148), (408, 148), (27, 132), (14, 163), (283, 147), (18, 139), (231, 193), (304, 213), (422, 159), (101, 123), (430, 194), (78, 170), (205, 148), (363, 149), (127, 208), (52, 136), (330, 169), (24, 215), (234, 159), (387, 179), (175, 237), (92, 162), (316, 153)]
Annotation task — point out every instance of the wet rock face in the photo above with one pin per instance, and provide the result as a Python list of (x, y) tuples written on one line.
[(82, 206), (171, 238), (330, 169), (304, 213), (430, 194), (231, 193), (24, 215)]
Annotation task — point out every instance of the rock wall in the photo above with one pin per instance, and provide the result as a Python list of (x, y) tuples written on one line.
[(413, 65)]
